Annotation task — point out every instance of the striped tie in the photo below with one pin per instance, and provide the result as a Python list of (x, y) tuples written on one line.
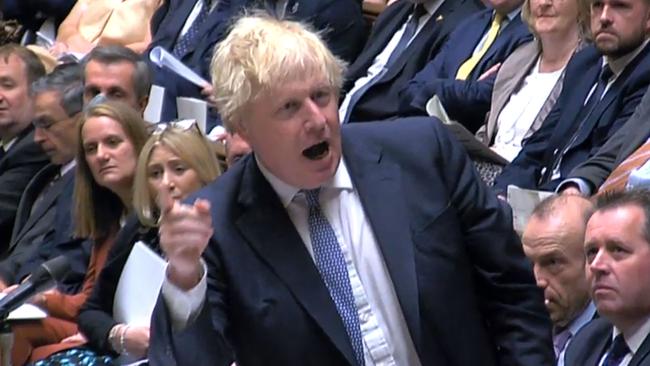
[(618, 178)]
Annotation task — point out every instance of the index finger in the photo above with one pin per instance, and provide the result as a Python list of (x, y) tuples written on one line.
[(165, 202)]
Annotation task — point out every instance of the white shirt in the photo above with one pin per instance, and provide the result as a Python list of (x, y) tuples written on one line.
[(379, 63), (517, 116), (633, 341), (386, 338)]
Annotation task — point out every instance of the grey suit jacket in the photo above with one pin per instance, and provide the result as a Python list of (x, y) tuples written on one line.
[(622, 144), (508, 81)]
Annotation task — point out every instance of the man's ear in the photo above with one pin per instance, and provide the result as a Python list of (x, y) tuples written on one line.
[(143, 103)]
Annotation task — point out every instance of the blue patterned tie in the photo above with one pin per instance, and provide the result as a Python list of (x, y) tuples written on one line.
[(617, 351), (185, 41), (333, 270)]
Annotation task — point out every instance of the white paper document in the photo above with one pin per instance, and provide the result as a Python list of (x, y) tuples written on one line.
[(25, 312), (523, 201), (139, 285), (161, 58), (192, 108), (153, 111), (474, 147)]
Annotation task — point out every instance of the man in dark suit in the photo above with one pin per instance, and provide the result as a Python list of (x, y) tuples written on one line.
[(405, 36), (191, 36), (553, 241), (480, 42), (330, 248), (617, 248), (57, 105), (588, 177), (20, 157), (607, 82)]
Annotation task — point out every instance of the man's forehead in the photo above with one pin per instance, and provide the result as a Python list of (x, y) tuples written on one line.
[(109, 69), (8, 63)]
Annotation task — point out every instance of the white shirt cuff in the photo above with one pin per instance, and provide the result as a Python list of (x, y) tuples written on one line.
[(185, 306), (583, 186)]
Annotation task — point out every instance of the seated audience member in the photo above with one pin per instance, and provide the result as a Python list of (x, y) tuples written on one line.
[(174, 159), (103, 22), (44, 212), (553, 241), (405, 36), (283, 288), (110, 138), (20, 156), (625, 152), (607, 82), (191, 28), (118, 73), (236, 148), (530, 80), (479, 43), (617, 247), (32, 14)]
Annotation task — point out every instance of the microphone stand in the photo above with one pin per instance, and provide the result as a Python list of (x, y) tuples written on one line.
[(6, 341)]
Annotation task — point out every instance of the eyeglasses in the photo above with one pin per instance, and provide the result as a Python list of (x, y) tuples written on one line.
[(181, 125)]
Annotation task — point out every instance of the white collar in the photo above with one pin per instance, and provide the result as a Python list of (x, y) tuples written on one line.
[(286, 192)]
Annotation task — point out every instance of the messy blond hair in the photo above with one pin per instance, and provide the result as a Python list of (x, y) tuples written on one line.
[(262, 52)]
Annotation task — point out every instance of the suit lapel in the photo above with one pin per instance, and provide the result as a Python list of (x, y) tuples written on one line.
[(170, 30), (378, 182), (508, 80), (642, 353), (48, 200), (438, 20), (385, 33), (34, 187), (268, 229)]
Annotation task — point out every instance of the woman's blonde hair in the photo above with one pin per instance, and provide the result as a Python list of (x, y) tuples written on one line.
[(261, 53), (191, 147), (97, 209), (584, 18)]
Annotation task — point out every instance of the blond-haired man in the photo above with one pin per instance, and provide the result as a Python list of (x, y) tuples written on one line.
[(330, 247)]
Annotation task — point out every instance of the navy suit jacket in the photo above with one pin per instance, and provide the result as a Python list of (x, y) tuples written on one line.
[(199, 54), (541, 150), (57, 240), (466, 101), (341, 22), (17, 167), (593, 340), (456, 265), (381, 100), (36, 225)]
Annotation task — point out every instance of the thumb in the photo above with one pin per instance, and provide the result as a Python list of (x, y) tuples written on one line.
[(202, 206)]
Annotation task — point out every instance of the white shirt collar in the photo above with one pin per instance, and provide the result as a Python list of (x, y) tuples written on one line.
[(432, 6), (9, 143), (68, 166), (286, 192), (635, 339), (582, 319)]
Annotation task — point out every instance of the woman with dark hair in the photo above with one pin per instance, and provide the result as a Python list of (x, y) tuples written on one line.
[(110, 137)]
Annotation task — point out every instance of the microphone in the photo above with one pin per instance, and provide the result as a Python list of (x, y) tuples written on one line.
[(44, 277)]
